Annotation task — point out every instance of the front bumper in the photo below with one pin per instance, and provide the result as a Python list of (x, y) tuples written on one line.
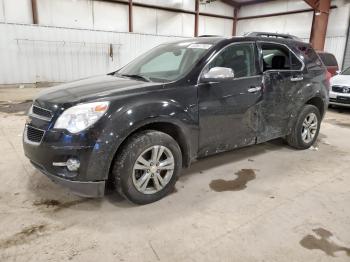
[(80, 188), (339, 99), (59, 146)]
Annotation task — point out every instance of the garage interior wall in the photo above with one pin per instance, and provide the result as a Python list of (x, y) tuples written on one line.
[(298, 24), (79, 38), (346, 62)]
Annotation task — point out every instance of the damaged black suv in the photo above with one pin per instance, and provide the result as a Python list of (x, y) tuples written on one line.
[(181, 101)]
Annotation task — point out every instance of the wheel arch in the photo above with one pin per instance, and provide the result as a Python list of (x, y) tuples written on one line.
[(317, 102), (170, 128)]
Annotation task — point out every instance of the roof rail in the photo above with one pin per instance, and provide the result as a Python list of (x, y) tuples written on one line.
[(275, 35), (210, 36)]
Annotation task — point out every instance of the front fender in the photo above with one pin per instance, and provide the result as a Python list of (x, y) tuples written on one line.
[(126, 119)]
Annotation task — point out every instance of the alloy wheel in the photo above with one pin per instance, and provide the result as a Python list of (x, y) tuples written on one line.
[(153, 169), (309, 129)]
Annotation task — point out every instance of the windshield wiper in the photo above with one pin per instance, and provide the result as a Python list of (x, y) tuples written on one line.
[(142, 77)]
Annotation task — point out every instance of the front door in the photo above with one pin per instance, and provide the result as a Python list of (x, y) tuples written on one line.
[(228, 106)]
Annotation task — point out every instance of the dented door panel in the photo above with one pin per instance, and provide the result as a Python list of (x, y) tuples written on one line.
[(228, 114)]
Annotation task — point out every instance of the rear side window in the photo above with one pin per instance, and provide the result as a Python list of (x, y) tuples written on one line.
[(279, 57), (328, 59), (312, 60)]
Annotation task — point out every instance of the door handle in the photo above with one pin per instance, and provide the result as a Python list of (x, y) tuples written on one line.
[(254, 89), (296, 78)]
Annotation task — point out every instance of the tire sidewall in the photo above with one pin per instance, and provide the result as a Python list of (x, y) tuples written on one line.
[(132, 151)]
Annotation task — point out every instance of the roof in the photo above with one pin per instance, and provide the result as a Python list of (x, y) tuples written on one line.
[(254, 36)]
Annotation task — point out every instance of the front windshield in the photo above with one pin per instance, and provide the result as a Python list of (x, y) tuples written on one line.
[(166, 62), (346, 72)]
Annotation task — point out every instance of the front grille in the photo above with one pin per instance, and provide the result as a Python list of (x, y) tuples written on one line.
[(340, 99), (343, 100), (41, 112), (34, 135), (341, 89)]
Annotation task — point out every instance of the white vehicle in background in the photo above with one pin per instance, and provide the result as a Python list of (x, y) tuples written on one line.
[(339, 93)]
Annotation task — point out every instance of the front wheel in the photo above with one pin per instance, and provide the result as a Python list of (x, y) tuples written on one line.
[(147, 167), (306, 129)]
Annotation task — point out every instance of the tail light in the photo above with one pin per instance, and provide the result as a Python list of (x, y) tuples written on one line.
[(328, 79)]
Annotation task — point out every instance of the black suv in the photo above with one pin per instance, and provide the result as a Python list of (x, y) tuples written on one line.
[(181, 101)]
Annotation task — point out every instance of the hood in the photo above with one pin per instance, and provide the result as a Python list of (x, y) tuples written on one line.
[(341, 80), (90, 89)]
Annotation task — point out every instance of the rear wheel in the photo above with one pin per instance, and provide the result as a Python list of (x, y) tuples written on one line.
[(147, 167), (306, 129)]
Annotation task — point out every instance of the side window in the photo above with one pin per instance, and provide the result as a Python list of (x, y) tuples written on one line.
[(168, 61), (295, 62), (279, 57), (328, 59), (310, 56), (239, 57)]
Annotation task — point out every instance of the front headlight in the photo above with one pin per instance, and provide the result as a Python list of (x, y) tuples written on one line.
[(80, 117)]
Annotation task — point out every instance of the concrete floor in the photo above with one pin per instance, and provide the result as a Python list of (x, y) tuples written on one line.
[(263, 203)]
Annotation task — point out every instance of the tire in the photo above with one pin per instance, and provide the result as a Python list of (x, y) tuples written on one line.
[(128, 170), (296, 139)]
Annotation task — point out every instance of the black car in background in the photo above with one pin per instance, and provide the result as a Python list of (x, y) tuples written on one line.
[(181, 101)]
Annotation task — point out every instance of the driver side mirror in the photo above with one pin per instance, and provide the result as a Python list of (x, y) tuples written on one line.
[(218, 73)]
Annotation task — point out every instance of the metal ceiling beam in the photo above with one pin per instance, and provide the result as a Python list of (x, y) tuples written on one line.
[(231, 2), (312, 3)]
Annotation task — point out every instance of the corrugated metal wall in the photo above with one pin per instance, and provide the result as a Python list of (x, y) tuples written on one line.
[(31, 54), (68, 44), (298, 24), (336, 46), (346, 61)]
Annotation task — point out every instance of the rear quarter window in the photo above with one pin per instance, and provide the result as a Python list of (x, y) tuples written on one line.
[(312, 60), (328, 59)]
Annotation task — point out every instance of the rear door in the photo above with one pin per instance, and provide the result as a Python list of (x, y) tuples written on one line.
[(283, 78)]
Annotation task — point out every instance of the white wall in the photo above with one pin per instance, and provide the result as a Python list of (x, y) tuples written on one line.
[(101, 15), (272, 7), (215, 26), (298, 24), (180, 4), (160, 22), (110, 16), (74, 38), (66, 13), (49, 54), (217, 7), (295, 24), (16, 11), (337, 31)]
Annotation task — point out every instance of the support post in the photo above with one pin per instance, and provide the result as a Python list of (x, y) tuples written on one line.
[(35, 12), (235, 19), (319, 23), (131, 29), (196, 18)]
